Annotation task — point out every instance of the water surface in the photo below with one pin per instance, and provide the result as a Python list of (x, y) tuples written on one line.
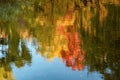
[(59, 40)]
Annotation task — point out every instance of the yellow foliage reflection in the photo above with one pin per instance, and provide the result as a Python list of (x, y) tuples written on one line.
[(6, 75)]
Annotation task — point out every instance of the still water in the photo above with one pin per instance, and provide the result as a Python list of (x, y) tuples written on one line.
[(59, 40)]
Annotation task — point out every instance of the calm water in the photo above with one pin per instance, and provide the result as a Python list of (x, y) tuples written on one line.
[(59, 40)]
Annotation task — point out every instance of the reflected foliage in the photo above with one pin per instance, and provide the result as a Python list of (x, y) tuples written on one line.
[(74, 54), (101, 41), (80, 32)]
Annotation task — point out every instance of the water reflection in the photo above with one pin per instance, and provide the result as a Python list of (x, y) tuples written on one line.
[(81, 33), (14, 51), (74, 54)]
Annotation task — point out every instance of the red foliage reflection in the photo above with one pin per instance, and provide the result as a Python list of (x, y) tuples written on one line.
[(74, 56)]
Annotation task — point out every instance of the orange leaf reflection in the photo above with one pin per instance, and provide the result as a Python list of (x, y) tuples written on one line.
[(74, 55)]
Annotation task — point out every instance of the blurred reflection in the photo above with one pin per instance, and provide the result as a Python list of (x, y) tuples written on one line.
[(5, 74), (74, 54), (101, 38), (81, 32), (13, 51)]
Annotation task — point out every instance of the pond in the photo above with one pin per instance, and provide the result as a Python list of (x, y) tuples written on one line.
[(60, 40)]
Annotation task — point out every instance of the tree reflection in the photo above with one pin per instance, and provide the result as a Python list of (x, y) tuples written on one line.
[(55, 25), (101, 41), (10, 48), (74, 55)]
